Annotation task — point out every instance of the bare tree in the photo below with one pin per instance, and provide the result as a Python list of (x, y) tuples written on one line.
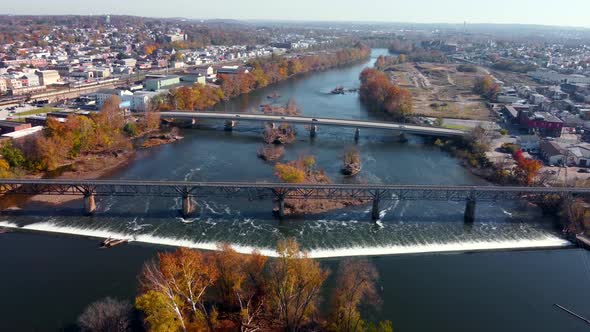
[(107, 315)]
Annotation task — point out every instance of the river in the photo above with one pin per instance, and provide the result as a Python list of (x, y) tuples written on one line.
[(55, 277)]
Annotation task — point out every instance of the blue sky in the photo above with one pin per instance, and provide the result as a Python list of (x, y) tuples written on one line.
[(547, 12)]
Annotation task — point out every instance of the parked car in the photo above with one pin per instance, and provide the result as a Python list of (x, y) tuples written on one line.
[(583, 170)]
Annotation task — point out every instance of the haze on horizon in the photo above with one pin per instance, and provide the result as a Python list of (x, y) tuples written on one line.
[(544, 12)]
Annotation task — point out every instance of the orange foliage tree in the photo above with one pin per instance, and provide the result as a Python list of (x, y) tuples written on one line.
[(177, 283), (486, 86), (197, 97), (189, 290), (289, 173), (526, 170), (294, 284), (378, 91), (148, 49), (61, 142)]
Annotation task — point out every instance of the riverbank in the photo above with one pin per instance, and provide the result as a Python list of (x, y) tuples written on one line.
[(265, 72), (87, 167)]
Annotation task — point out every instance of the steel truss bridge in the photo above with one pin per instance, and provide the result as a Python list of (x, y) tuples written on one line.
[(281, 191)]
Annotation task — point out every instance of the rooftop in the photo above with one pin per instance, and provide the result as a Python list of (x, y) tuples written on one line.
[(24, 132), (6, 123)]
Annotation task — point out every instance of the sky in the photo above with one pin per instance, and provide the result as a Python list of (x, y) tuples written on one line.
[(545, 12)]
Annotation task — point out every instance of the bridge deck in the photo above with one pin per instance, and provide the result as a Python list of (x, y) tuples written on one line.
[(411, 129), (262, 190)]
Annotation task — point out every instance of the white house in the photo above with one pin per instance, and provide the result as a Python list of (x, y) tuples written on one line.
[(105, 94), (140, 100), (529, 143), (553, 153), (579, 155)]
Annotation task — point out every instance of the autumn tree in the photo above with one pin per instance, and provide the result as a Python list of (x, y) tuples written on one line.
[(173, 291), (148, 49), (4, 169), (240, 286), (355, 286), (526, 170), (80, 130), (13, 155), (109, 123), (150, 121), (486, 87), (378, 91), (294, 282), (289, 173), (197, 97), (291, 108)]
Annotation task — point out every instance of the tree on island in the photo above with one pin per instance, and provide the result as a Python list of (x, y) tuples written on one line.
[(294, 285), (189, 290), (355, 282), (107, 315), (290, 173)]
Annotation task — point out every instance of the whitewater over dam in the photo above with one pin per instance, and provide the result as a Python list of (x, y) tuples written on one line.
[(404, 228)]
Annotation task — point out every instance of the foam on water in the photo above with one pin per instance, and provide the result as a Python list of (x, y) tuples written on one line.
[(542, 241)]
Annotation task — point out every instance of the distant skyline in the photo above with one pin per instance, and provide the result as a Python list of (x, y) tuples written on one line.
[(544, 12)]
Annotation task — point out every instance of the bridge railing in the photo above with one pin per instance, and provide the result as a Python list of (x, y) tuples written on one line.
[(280, 192)]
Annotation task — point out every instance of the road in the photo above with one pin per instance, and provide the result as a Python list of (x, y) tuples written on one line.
[(410, 129)]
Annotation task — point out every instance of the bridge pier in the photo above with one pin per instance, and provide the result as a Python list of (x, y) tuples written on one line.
[(313, 131), (89, 204), (469, 216), (229, 125), (375, 211), (357, 134), (187, 206), (403, 138), (279, 209)]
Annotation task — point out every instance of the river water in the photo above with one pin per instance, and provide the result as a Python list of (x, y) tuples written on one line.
[(482, 292)]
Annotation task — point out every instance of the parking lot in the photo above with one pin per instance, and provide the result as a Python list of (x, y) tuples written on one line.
[(6, 112)]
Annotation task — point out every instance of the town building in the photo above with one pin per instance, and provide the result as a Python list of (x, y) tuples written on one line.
[(543, 123), (196, 79), (140, 100), (21, 134), (48, 77), (529, 143), (175, 37), (103, 95), (26, 90), (12, 126), (554, 77), (552, 152), (232, 70), (158, 82), (579, 155), (204, 70), (30, 80)]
